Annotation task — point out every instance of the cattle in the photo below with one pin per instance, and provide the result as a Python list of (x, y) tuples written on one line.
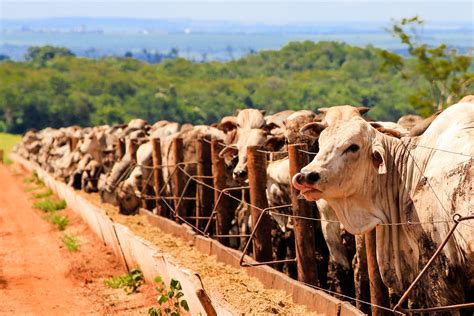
[(375, 181), (409, 121), (304, 127), (129, 194), (248, 129)]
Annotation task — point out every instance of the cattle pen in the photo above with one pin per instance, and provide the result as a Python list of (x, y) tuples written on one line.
[(208, 223)]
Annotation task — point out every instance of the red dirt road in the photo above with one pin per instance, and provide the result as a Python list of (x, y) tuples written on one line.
[(38, 276)]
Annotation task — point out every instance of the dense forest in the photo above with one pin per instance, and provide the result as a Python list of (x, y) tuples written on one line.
[(55, 88)]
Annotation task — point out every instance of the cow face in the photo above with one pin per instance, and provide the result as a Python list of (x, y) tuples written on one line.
[(339, 169), (246, 138), (126, 198)]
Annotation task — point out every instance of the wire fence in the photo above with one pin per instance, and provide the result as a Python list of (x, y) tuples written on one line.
[(173, 200), (273, 212)]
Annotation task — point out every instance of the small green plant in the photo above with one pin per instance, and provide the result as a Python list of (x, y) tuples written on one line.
[(71, 242), (45, 194), (34, 178), (173, 296), (48, 205), (59, 220), (130, 281), (32, 188)]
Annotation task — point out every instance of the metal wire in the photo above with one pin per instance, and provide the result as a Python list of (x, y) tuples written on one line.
[(273, 213), (407, 143), (287, 205), (457, 218)]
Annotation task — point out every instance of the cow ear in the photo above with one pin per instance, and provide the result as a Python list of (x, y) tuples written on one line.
[(274, 143), (386, 131), (313, 128), (269, 127), (323, 110), (230, 150), (227, 126), (263, 112), (363, 109), (378, 157)]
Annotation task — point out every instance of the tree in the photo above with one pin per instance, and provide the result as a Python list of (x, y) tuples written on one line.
[(445, 71), (41, 54)]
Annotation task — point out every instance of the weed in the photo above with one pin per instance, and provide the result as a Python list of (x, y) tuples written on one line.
[(32, 188), (41, 195), (34, 178), (174, 297), (130, 281), (58, 220), (48, 205), (71, 242)]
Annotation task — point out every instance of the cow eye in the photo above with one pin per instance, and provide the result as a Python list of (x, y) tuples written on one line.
[(352, 148)]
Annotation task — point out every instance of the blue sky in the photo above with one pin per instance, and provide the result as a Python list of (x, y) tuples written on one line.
[(270, 12)]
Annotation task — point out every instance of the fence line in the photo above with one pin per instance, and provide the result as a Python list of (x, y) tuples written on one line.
[(271, 211), (408, 223)]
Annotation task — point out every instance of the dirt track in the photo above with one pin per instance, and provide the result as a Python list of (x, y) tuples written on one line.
[(38, 276)]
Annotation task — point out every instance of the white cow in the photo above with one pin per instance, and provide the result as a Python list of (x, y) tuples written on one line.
[(370, 179)]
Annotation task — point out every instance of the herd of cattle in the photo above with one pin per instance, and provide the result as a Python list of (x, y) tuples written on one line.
[(365, 175)]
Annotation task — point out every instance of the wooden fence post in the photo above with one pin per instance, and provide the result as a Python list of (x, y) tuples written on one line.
[(132, 149), (223, 206), (361, 284), (306, 256), (120, 148), (160, 207), (378, 290), (204, 194), (73, 143), (179, 178), (257, 174)]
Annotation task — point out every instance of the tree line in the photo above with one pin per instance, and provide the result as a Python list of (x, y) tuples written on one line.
[(55, 88)]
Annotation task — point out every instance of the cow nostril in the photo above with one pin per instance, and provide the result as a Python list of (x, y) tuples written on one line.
[(298, 178), (312, 177), (240, 173)]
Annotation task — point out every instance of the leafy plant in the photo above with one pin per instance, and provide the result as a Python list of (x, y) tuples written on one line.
[(71, 242), (174, 297), (445, 72), (130, 281), (59, 220), (49, 205)]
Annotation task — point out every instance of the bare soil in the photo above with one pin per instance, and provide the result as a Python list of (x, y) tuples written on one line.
[(38, 276)]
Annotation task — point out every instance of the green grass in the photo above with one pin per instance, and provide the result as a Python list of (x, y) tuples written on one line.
[(48, 205), (7, 141), (60, 221), (71, 242), (41, 195), (130, 281), (34, 179)]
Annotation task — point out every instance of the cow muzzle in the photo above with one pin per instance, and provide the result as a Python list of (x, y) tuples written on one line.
[(240, 175), (304, 182)]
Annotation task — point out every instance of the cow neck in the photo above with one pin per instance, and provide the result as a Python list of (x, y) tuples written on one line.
[(393, 190)]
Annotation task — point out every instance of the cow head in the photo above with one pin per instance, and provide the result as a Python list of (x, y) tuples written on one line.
[(248, 128), (126, 198), (238, 151), (341, 113), (350, 156)]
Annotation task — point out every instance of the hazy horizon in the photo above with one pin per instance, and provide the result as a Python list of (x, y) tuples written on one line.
[(261, 12)]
